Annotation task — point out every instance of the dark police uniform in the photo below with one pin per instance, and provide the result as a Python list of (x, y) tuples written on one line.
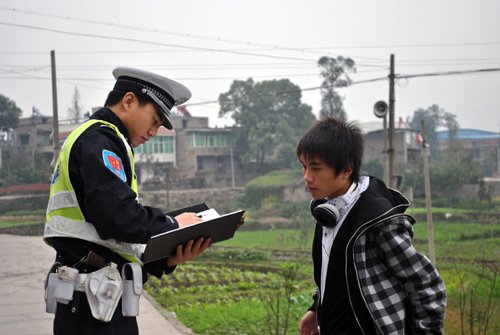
[(108, 201)]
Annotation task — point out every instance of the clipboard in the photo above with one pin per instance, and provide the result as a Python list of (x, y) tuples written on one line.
[(219, 229)]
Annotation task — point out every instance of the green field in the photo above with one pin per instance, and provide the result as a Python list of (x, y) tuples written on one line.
[(235, 287), (229, 289)]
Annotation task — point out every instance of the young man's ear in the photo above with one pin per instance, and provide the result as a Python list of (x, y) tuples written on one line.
[(346, 174)]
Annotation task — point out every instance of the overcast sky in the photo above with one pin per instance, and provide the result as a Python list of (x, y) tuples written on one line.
[(208, 44)]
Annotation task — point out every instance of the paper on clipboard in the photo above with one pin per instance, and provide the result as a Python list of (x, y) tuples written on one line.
[(208, 214)]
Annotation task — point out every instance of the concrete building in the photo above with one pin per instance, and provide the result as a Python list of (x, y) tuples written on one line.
[(192, 155), (482, 146), (405, 141), (30, 138)]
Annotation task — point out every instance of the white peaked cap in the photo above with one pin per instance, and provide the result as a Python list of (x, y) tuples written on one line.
[(165, 93)]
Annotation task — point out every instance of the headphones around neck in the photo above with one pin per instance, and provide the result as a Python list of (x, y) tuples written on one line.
[(325, 214)]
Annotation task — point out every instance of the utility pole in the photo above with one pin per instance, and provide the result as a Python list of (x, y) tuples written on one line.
[(232, 168), (55, 117), (380, 110), (167, 190), (498, 159), (428, 202), (392, 182)]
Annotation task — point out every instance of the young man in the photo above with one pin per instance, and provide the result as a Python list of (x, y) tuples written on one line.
[(370, 279), (94, 218)]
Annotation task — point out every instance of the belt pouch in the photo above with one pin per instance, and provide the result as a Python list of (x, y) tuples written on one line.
[(132, 289), (50, 298), (104, 290), (65, 284)]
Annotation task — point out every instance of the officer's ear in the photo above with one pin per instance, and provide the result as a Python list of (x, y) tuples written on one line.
[(127, 100)]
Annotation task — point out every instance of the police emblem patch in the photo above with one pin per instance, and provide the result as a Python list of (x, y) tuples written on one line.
[(114, 164)]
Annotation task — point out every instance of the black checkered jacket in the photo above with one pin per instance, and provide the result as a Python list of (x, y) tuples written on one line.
[(385, 275)]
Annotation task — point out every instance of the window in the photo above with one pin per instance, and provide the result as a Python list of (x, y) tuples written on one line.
[(157, 145), (211, 140), (24, 139)]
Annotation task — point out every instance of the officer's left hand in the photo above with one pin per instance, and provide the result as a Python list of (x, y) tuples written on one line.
[(191, 251)]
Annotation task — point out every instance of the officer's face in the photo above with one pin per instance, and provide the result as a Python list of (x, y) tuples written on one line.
[(322, 181), (143, 123)]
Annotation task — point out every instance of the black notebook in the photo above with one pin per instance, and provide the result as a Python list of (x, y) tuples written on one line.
[(218, 227)]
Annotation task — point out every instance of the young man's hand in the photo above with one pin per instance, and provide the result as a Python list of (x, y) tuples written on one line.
[(191, 251), (309, 325)]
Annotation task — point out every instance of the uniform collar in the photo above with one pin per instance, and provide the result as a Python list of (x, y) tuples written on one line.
[(106, 114)]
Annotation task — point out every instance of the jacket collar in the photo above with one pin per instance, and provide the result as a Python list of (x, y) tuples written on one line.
[(107, 114)]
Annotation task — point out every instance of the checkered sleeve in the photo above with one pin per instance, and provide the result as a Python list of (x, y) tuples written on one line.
[(425, 291)]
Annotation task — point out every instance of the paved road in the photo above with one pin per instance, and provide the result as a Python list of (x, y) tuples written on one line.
[(25, 261)]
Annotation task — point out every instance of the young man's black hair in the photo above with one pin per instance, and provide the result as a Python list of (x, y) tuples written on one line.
[(337, 143)]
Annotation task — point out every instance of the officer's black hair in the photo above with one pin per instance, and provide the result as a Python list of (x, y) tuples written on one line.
[(336, 142), (115, 96)]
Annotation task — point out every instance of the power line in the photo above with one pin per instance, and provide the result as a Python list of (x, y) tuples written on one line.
[(314, 50), (183, 35), (127, 39), (397, 76), (422, 45), (181, 78), (446, 73), (184, 67)]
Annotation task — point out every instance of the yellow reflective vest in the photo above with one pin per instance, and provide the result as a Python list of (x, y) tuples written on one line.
[(64, 217)]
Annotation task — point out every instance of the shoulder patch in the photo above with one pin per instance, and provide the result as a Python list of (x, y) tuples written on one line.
[(114, 164)]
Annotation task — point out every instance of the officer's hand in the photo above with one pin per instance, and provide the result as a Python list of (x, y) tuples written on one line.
[(309, 325), (187, 219), (191, 251)]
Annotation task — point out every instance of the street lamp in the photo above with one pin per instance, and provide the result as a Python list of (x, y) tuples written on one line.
[(380, 109)]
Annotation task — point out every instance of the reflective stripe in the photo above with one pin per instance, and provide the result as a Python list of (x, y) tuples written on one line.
[(60, 226), (63, 199), (64, 217)]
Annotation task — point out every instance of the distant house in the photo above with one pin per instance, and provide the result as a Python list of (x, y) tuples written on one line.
[(406, 142), (483, 146), (471, 139), (32, 136), (192, 155)]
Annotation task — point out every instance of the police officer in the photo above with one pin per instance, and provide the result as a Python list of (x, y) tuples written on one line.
[(94, 217)]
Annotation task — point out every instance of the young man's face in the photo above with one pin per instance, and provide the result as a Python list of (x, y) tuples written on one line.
[(142, 123), (322, 181)]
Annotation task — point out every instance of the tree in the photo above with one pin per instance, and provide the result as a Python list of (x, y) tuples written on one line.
[(75, 111), (9, 113), (269, 116), (334, 75), (18, 170), (374, 168), (434, 117), (453, 170)]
